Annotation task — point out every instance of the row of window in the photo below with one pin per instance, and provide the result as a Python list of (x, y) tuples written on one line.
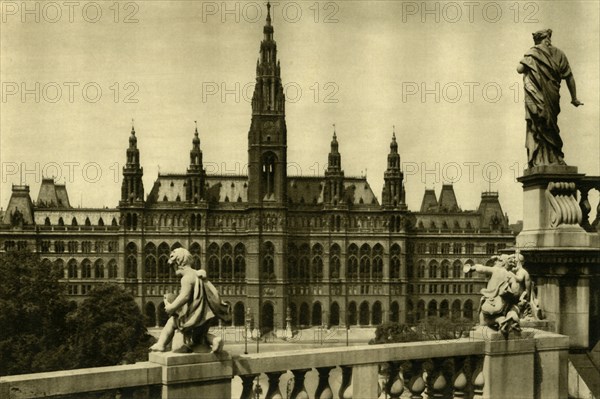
[(439, 288), (74, 222), (59, 246), (457, 248), (86, 269)]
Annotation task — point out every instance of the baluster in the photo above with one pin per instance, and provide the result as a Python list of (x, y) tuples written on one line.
[(323, 389), (416, 383), (460, 382), (478, 382), (299, 392), (395, 384), (585, 206), (437, 383), (273, 392), (247, 381), (345, 391)]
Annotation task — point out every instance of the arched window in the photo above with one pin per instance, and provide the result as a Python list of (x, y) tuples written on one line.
[(351, 314), (444, 309), (445, 268), (364, 314), (365, 263), (421, 269), (317, 263), (239, 314), (72, 269), (420, 311), (395, 261), (239, 267), (86, 269), (59, 267), (213, 262), (292, 269), (432, 309), (195, 250), (334, 314), (303, 266), (376, 314), (269, 162), (317, 314), (456, 310), (164, 269), (352, 263), (457, 271), (334, 262), (226, 262), (268, 263), (99, 269), (113, 269), (131, 256), (433, 269)]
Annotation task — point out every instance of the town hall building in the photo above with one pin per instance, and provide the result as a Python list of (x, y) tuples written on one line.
[(320, 250)]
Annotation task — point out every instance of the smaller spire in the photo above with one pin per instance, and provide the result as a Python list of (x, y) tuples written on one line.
[(133, 126), (334, 134), (268, 13), (394, 132), (196, 138)]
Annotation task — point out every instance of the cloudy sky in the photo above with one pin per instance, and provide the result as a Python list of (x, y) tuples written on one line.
[(443, 73)]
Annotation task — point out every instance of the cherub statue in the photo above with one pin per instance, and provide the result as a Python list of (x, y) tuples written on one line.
[(499, 302), (194, 310)]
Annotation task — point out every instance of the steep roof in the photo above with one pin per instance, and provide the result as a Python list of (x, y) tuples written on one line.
[(429, 202), (448, 201)]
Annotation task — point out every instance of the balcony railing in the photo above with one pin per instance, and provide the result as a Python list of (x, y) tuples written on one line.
[(484, 365)]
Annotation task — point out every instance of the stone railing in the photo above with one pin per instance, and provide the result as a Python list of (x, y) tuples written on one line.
[(482, 366)]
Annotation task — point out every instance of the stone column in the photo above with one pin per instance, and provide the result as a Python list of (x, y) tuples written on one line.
[(194, 375)]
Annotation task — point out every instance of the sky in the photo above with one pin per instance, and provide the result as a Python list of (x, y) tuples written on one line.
[(441, 74)]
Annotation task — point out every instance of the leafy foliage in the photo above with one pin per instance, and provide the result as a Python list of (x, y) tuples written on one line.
[(432, 328), (41, 331), (33, 313), (108, 328)]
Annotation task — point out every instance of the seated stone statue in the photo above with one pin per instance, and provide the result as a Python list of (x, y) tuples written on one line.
[(499, 302), (196, 308)]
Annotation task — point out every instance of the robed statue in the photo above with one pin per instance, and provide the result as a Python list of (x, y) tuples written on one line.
[(197, 307), (543, 67)]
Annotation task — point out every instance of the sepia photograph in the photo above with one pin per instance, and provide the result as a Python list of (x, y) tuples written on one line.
[(299, 199)]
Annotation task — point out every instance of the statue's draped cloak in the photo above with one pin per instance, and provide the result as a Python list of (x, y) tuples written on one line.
[(204, 305), (545, 67)]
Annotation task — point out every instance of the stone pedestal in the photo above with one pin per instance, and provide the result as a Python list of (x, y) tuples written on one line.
[(506, 360), (194, 375), (558, 251)]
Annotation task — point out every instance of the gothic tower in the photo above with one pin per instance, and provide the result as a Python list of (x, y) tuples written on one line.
[(393, 189), (195, 173), (267, 138), (132, 189), (334, 175)]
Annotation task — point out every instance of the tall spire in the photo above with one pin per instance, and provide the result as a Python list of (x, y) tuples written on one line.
[(268, 93)]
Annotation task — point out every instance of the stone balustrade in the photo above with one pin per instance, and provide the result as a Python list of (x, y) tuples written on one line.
[(485, 365), (587, 184)]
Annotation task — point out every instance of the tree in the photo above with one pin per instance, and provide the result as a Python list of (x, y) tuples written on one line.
[(33, 313), (108, 328)]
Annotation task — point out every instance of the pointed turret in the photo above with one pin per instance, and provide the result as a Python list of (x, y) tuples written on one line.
[(195, 172), (132, 189), (334, 175), (393, 189)]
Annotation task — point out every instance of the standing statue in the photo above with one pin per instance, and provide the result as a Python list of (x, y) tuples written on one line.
[(498, 308), (194, 310), (543, 68)]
